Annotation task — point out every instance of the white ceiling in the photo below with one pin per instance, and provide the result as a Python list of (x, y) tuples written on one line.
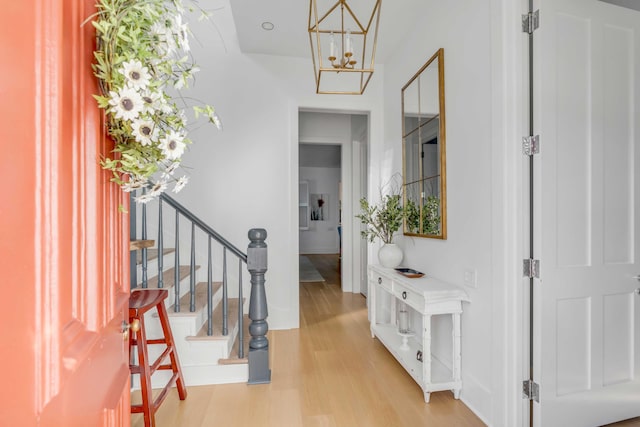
[(290, 36)]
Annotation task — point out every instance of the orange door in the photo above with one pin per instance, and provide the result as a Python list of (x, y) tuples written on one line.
[(63, 244)]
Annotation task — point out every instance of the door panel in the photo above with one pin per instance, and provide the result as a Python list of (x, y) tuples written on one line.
[(587, 105), (64, 244)]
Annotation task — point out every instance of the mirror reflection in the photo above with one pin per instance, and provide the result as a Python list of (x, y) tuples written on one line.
[(423, 140)]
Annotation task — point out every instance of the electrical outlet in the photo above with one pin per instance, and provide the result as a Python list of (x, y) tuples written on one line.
[(471, 278)]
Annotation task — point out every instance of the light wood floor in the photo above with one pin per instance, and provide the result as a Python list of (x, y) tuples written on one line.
[(330, 372)]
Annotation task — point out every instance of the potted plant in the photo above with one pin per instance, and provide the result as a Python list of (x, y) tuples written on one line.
[(383, 220)]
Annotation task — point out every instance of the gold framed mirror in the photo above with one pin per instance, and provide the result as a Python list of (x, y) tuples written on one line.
[(423, 151)]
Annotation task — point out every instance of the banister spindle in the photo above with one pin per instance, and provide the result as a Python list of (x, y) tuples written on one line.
[(225, 302), (259, 372), (176, 270), (160, 247), (192, 270), (209, 291), (240, 313), (145, 283)]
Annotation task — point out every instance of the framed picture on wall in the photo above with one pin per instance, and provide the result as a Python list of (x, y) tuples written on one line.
[(319, 207)]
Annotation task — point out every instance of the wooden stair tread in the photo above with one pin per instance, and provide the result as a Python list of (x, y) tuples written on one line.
[(230, 361), (217, 322), (201, 300), (167, 276), (135, 245), (152, 254)]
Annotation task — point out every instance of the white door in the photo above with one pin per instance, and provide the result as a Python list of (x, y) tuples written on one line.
[(587, 210)]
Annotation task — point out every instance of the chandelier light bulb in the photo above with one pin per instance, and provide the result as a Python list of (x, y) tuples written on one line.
[(348, 48), (332, 48)]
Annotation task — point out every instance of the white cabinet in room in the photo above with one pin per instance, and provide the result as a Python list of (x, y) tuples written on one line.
[(424, 297), (303, 204)]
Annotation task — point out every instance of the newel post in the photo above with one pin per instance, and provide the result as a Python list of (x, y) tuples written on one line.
[(259, 372)]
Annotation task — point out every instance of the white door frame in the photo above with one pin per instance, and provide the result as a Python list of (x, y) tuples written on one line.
[(510, 210)]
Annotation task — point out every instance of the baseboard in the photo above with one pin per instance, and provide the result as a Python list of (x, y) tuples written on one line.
[(474, 395), (477, 398), (216, 374)]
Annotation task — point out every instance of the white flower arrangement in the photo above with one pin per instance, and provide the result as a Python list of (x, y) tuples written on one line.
[(142, 50)]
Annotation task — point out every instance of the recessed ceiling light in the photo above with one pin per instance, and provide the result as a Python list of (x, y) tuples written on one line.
[(267, 26)]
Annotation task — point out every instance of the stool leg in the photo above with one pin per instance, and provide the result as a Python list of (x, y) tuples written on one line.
[(145, 374), (175, 363)]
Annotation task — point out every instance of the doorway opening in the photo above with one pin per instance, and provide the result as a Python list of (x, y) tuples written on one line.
[(332, 175)]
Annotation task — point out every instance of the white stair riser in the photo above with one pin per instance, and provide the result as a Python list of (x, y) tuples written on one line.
[(182, 324), (152, 265), (190, 353)]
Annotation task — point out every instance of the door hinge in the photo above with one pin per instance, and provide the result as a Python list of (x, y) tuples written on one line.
[(530, 22), (531, 390), (530, 145), (531, 268)]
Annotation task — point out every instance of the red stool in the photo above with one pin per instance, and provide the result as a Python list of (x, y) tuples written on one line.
[(140, 302)]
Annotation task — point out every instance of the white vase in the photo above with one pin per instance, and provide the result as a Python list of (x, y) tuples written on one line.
[(390, 255)]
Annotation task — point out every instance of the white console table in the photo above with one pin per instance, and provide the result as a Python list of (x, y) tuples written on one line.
[(428, 297)]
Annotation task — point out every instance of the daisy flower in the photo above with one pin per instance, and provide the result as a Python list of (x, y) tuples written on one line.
[(143, 198), (126, 104), (157, 188), (153, 101), (181, 82), (182, 181), (171, 169), (133, 184), (172, 145), (182, 119), (163, 43), (174, 23), (137, 76), (183, 38), (144, 131)]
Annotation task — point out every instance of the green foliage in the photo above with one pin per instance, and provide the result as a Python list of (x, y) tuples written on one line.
[(412, 219), (430, 216), (382, 220)]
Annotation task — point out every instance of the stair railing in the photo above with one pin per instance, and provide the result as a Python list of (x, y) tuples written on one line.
[(255, 261)]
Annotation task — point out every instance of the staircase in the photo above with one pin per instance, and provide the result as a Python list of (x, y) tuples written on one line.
[(207, 307)]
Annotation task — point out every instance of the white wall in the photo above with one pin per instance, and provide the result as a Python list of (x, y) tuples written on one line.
[(322, 236), (464, 30), (247, 175)]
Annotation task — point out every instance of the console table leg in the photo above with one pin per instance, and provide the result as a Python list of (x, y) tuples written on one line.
[(456, 349), (427, 396), (456, 393), (426, 353)]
